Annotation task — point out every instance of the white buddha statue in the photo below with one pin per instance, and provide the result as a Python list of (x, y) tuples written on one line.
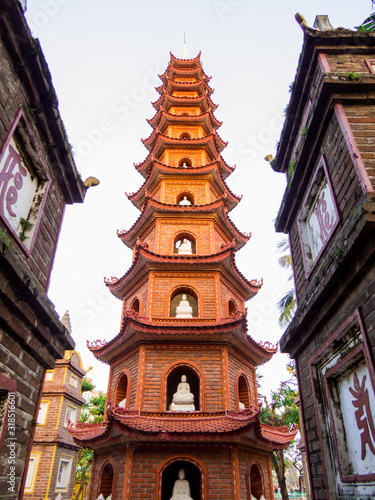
[(184, 309), (185, 201), (181, 488), (122, 403), (185, 248), (183, 399)]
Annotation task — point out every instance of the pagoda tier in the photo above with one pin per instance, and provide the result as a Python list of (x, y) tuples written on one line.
[(160, 173), (162, 119), (182, 394), (158, 142), (216, 226), (220, 267), (144, 167), (135, 329), (185, 85), (195, 105)]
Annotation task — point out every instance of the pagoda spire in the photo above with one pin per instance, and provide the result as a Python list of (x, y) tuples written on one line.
[(185, 52)]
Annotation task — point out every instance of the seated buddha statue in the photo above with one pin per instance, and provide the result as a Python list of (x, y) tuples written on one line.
[(184, 201), (183, 399), (185, 248), (181, 487), (184, 309)]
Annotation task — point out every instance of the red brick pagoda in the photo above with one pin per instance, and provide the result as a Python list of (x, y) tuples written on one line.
[(183, 419)]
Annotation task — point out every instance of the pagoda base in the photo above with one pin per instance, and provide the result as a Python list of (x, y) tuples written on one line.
[(139, 471)]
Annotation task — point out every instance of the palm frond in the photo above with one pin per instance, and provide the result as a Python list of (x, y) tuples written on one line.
[(287, 305), (285, 261), (283, 245), (368, 24)]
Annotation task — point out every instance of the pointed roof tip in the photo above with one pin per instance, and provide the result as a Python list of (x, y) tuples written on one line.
[(185, 52), (65, 320), (196, 58)]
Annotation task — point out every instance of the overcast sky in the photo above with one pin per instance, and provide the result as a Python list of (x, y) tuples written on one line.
[(104, 57)]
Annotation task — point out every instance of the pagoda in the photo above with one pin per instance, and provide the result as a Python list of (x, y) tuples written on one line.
[(183, 418)]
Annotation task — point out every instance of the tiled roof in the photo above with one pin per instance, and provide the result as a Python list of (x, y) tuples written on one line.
[(186, 423), (280, 435), (200, 426)]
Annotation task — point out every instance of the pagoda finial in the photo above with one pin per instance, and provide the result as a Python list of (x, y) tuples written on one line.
[(65, 320), (185, 53)]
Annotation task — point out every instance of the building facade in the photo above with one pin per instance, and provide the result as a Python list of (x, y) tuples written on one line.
[(327, 151), (53, 458), (183, 413), (38, 178)]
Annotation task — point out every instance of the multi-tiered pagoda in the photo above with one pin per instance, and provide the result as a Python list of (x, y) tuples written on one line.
[(183, 419)]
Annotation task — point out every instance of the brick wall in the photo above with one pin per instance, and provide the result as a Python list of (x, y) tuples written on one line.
[(158, 359), (362, 122), (168, 229), (347, 192), (346, 63), (204, 284), (146, 461), (172, 188), (361, 296), (226, 293), (176, 130), (13, 97), (236, 365), (246, 459)]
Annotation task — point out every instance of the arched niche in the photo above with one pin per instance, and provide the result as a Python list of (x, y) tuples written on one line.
[(232, 307), (167, 473), (178, 240), (185, 162), (107, 480), (122, 390), (185, 199), (185, 135), (170, 475), (243, 392), (135, 305), (255, 481), (177, 296), (173, 378)]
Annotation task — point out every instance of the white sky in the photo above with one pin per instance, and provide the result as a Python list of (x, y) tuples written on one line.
[(104, 57)]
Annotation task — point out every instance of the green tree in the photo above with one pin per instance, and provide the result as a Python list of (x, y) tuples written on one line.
[(287, 304), (282, 411), (87, 385), (92, 412), (83, 469)]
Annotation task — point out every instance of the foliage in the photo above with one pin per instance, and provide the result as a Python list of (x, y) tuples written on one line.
[(4, 239), (25, 227), (352, 76), (93, 411), (87, 385), (282, 411), (368, 24), (83, 469), (287, 304)]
